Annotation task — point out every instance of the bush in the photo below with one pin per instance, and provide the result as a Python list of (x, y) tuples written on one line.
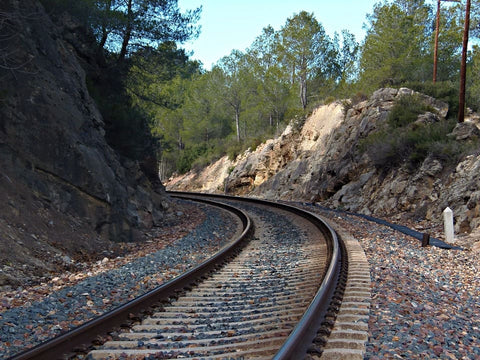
[(234, 150), (406, 110), (358, 97), (328, 100), (400, 143), (255, 142), (392, 147), (188, 157), (445, 91)]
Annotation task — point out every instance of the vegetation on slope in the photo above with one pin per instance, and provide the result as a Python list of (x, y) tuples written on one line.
[(158, 102)]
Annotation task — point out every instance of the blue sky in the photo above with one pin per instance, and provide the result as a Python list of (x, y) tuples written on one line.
[(234, 24)]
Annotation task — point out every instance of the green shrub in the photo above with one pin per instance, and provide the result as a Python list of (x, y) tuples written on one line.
[(444, 90), (406, 110), (328, 100), (189, 156), (234, 150), (255, 142), (385, 150), (359, 97), (201, 162), (401, 143)]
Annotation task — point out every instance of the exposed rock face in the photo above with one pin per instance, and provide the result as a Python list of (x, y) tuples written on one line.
[(321, 163), (52, 146)]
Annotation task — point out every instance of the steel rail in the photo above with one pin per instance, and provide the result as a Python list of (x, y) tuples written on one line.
[(302, 336), (83, 335)]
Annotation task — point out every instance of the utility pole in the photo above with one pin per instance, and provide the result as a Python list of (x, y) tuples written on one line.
[(435, 50), (463, 67)]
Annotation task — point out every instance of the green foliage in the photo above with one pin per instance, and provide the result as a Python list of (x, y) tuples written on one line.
[(157, 92), (329, 100), (189, 155), (141, 93), (401, 143), (306, 50), (399, 44), (446, 91), (391, 148), (234, 150), (406, 111), (473, 85), (254, 142), (123, 25)]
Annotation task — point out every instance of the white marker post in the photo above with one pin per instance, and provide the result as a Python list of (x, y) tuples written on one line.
[(448, 225)]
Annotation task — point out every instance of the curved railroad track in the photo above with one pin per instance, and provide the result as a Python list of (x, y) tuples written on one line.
[(272, 293)]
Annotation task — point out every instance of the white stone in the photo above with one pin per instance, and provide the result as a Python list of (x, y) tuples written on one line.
[(448, 225)]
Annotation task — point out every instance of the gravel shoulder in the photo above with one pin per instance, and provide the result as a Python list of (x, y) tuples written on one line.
[(32, 315), (425, 301)]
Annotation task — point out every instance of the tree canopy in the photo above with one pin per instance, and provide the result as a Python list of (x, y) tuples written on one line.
[(125, 25), (389, 56), (197, 116)]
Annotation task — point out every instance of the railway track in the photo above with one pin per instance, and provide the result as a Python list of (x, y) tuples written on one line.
[(272, 293)]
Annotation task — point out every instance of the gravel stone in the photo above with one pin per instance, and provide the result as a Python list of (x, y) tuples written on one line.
[(425, 301), (33, 322)]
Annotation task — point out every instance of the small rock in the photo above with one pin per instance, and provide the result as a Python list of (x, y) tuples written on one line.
[(66, 259), (476, 247), (465, 131), (437, 349)]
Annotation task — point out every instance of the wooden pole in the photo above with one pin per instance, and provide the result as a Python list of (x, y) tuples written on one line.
[(435, 50), (463, 67), (425, 240)]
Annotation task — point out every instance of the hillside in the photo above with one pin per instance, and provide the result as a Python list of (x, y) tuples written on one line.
[(66, 196), (322, 162)]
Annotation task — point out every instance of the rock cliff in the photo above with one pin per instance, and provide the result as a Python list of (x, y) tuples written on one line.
[(321, 162), (65, 192)]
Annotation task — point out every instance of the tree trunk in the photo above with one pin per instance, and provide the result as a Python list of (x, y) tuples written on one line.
[(105, 32), (103, 40), (128, 32), (435, 50), (180, 143), (303, 93), (237, 123), (463, 68)]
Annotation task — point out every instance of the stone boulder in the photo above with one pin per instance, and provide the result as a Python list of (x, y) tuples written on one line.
[(465, 131)]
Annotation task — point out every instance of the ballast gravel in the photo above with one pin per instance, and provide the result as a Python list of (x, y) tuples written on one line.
[(425, 301), (24, 326)]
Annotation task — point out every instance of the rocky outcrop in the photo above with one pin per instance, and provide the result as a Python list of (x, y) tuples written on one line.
[(52, 144), (322, 163)]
